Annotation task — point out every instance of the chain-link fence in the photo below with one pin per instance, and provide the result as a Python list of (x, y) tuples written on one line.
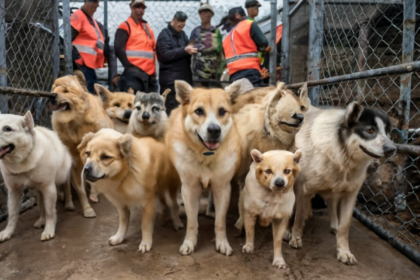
[(365, 37)]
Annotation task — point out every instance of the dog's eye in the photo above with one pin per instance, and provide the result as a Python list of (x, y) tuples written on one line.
[(370, 130), (199, 111), (155, 109), (105, 157), (287, 171), (222, 112), (130, 105), (138, 108), (302, 108), (7, 128), (117, 105), (87, 154), (268, 171)]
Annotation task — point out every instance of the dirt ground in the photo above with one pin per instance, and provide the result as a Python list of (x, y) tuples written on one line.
[(80, 251)]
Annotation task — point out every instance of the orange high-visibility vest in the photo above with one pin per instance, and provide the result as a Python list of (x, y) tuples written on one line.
[(141, 45), (241, 52), (90, 41)]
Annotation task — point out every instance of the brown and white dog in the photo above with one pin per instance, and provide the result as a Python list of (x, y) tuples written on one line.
[(75, 113), (268, 195), (203, 144), (130, 172)]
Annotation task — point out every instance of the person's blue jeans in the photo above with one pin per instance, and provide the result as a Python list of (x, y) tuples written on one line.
[(91, 78)]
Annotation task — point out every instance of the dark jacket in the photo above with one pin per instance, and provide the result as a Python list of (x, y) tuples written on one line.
[(174, 61)]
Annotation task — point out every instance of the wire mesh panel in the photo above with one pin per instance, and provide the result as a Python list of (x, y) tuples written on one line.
[(365, 35)]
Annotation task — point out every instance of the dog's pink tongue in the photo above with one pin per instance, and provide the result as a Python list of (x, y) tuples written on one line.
[(4, 151), (212, 145)]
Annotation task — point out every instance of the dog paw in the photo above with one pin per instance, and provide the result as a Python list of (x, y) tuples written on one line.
[(223, 247), (248, 248), (5, 235), (145, 247), (177, 225), (39, 223), (287, 236), (186, 248), (89, 213), (333, 231), (94, 197), (115, 240), (280, 263), (69, 206), (295, 243), (47, 235), (346, 257)]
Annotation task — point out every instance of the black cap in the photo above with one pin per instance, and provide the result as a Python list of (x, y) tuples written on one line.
[(252, 3), (237, 10), (181, 16)]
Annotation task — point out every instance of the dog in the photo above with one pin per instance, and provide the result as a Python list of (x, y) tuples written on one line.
[(268, 195), (268, 119), (337, 147), (118, 106), (75, 113), (149, 117), (33, 157), (130, 172), (203, 144)]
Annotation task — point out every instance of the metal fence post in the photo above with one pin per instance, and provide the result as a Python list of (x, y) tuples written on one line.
[(4, 107), (273, 33), (105, 15), (67, 37), (316, 36), (56, 44), (285, 43)]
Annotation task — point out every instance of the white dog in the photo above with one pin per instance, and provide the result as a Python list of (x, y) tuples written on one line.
[(32, 157)]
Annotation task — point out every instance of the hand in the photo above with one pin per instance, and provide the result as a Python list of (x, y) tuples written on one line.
[(191, 50), (268, 49)]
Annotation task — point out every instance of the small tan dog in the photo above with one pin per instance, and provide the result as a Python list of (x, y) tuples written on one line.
[(268, 195), (130, 172), (149, 117), (118, 106)]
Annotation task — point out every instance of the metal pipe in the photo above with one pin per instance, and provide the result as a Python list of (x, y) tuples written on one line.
[(285, 41), (56, 46), (67, 37), (105, 15), (26, 92), (4, 106), (390, 70), (273, 44), (296, 7)]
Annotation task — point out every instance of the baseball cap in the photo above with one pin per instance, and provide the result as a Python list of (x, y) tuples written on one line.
[(206, 7), (137, 2), (252, 3), (237, 10)]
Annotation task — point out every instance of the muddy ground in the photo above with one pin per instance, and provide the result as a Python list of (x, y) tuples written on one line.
[(80, 251)]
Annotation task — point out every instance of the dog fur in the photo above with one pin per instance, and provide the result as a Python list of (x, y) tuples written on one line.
[(75, 113), (268, 195), (32, 157), (130, 172), (149, 117), (118, 106), (337, 147), (203, 144)]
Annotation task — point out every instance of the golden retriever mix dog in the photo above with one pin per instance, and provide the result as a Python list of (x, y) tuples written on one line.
[(268, 119), (203, 144), (75, 113), (268, 195), (337, 147), (118, 106), (130, 172)]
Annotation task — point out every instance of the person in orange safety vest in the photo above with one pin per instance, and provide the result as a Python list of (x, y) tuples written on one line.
[(241, 47), (90, 42), (135, 47)]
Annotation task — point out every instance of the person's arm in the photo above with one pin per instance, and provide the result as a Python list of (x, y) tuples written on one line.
[(258, 37), (194, 36), (164, 52), (121, 38), (74, 33), (106, 39)]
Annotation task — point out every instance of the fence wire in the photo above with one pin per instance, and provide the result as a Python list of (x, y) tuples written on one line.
[(370, 35)]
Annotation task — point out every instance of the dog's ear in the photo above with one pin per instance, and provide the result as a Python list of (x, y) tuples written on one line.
[(103, 93), (124, 143), (238, 87), (303, 91), (297, 156), (165, 94), (257, 156), (81, 79), (28, 122), (131, 90), (353, 112), (85, 140), (183, 92)]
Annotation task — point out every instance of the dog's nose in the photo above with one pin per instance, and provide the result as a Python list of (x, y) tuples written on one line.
[(389, 149), (146, 116), (127, 114), (53, 101), (279, 182), (298, 117), (87, 170), (214, 131)]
